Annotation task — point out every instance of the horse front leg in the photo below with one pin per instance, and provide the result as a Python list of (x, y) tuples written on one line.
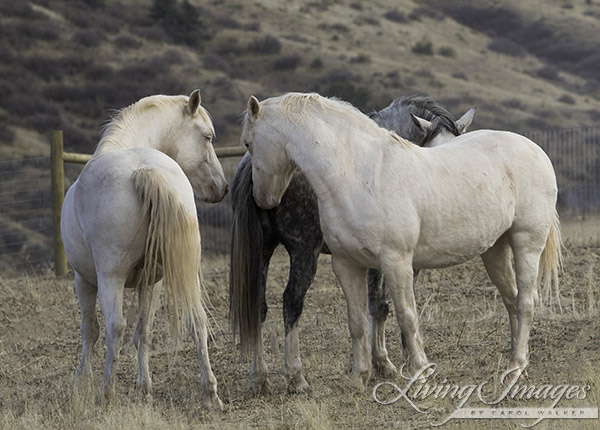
[(149, 296), (260, 371), (303, 266), (353, 281), (398, 274)]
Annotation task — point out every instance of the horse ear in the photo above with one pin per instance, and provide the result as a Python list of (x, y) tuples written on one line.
[(420, 123), (194, 101), (464, 121), (253, 107)]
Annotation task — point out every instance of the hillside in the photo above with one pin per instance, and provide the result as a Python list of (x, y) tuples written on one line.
[(67, 64)]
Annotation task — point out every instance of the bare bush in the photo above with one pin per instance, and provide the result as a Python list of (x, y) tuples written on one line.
[(395, 16), (265, 45), (288, 62)]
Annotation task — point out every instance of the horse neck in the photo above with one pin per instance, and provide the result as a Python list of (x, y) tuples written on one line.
[(326, 153), (150, 129)]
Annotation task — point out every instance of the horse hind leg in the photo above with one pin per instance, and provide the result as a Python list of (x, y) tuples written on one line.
[(527, 248), (149, 296), (379, 310), (498, 264), (303, 267), (90, 330), (110, 295), (210, 398)]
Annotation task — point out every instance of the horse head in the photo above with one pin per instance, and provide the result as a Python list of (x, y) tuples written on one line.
[(271, 167), (192, 147)]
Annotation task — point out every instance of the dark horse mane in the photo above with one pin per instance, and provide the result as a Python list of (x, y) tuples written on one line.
[(422, 106)]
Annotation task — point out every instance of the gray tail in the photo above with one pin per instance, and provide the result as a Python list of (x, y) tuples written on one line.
[(246, 260)]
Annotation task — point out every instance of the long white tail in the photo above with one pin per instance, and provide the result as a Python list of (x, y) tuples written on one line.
[(173, 242), (551, 263)]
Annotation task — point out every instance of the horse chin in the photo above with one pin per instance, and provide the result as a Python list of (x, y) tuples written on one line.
[(267, 201), (213, 194)]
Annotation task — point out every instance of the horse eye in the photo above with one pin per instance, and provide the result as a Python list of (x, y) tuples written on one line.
[(247, 145)]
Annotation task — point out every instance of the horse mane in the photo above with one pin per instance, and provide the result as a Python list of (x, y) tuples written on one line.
[(424, 107), (124, 119), (294, 105)]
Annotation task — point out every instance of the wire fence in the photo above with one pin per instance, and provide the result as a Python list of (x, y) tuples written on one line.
[(26, 217)]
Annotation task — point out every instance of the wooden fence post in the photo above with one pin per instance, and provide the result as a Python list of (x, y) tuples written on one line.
[(57, 180)]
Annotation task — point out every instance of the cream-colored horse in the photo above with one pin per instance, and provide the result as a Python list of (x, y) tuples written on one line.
[(387, 204), (130, 220)]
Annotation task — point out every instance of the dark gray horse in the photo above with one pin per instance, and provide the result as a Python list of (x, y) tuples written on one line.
[(295, 224)]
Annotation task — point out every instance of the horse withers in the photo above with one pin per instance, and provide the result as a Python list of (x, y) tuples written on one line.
[(129, 221)]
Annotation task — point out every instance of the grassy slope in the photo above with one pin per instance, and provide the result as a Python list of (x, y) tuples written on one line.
[(68, 63)]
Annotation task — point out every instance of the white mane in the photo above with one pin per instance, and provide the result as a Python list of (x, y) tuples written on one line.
[(295, 106), (125, 121)]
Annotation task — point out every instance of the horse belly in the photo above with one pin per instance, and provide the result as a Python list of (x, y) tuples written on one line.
[(457, 243)]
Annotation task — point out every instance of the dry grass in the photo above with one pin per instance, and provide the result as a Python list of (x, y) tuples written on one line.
[(463, 321)]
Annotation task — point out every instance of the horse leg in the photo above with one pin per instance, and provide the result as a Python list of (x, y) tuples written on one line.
[(399, 277), (527, 250), (110, 295), (498, 264), (90, 330), (379, 310), (352, 279), (303, 266), (260, 370), (148, 303), (210, 399)]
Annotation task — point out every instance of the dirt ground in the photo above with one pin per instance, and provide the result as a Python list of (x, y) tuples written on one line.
[(463, 321)]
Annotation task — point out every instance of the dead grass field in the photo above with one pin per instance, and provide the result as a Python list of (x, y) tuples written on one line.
[(463, 320)]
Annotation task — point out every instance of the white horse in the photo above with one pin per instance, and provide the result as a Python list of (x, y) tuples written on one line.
[(387, 204), (130, 220)]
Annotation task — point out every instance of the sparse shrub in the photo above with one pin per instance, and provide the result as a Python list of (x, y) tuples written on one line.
[(252, 26), (368, 20), (88, 38), (265, 45), (447, 51), (426, 11), (181, 21), (549, 73), (127, 42), (513, 104), (288, 62), (153, 32), (360, 59), (348, 91), (230, 46), (316, 64), (423, 47), (212, 61), (567, 99), (18, 9), (173, 56), (460, 75), (356, 6), (98, 72), (507, 47), (6, 134), (46, 68), (43, 122), (395, 16)]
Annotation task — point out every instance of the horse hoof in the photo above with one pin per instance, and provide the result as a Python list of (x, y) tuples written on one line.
[(385, 368), (298, 385), (261, 387), (212, 402)]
